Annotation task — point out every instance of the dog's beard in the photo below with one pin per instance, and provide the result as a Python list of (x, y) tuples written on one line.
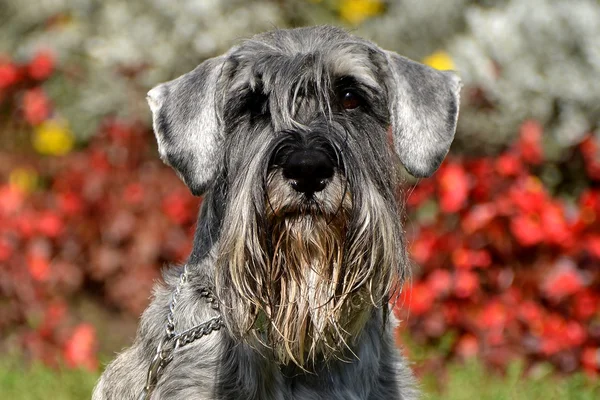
[(313, 305), (306, 283)]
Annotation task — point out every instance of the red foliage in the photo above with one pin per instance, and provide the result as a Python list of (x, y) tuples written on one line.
[(524, 265), (506, 266), (101, 222), (109, 218)]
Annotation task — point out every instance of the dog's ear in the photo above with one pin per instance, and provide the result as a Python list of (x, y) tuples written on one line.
[(186, 117), (423, 109)]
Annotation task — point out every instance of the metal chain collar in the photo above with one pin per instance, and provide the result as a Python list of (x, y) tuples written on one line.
[(173, 341)]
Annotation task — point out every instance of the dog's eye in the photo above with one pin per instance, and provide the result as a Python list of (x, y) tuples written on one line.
[(350, 100)]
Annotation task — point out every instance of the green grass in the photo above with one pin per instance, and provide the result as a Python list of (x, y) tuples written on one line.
[(463, 382), (471, 381), (37, 382)]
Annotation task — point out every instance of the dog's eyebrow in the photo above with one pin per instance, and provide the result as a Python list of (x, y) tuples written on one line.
[(357, 66), (363, 81)]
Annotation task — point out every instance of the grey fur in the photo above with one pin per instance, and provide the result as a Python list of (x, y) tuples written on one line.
[(223, 127)]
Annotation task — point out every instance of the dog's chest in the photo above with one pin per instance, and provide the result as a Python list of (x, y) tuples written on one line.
[(216, 368)]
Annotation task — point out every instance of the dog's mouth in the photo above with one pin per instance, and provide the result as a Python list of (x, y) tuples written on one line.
[(303, 208), (285, 201)]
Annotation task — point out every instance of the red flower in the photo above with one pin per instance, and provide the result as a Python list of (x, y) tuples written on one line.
[(54, 315), (467, 346), (80, 348), (589, 207), (70, 203), (529, 144), (6, 249), (12, 200), (419, 193), (574, 334), (50, 225), (528, 195), (454, 187), (509, 165), (466, 284), (590, 358), (551, 345), (422, 248), (134, 193), (478, 217), (591, 154), (532, 314), (592, 245), (42, 65), (467, 259), (585, 304), (590, 198), (564, 280), (527, 229), (439, 282), (39, 266), (9, 74), (26, 224), (175, 206), (451, 313), (555, 226), (418, 298), (482, 172), (493, 316), (36, 106), (553, 335)]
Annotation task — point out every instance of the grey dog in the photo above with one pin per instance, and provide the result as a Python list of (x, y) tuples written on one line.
[(294, 137)]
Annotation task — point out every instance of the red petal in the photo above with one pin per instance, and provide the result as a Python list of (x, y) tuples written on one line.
[(80, 349), (42, 65), (36, 106), (454, 187)]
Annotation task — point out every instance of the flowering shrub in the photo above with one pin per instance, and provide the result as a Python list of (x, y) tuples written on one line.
[(507, 248), (506, 268), (101, 221)]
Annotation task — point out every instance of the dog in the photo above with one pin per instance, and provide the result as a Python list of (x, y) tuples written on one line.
[(295, 140)]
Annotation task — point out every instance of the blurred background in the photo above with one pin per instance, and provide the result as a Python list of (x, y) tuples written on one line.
[(504, 301)]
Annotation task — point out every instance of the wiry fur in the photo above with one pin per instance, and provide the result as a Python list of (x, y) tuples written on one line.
[(303, 282)]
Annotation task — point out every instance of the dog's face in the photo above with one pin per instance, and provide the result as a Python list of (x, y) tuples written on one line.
[(294, 126)]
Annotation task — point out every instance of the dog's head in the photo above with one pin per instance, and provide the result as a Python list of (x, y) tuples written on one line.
[(302, 130)]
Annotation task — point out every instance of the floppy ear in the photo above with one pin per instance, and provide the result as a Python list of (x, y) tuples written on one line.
[(424, 109), (185, 114)]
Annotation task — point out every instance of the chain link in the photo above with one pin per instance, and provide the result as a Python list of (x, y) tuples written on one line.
[(173, 341), (183, 278)]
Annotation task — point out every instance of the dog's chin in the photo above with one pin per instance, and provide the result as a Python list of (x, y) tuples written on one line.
[(304, 209)]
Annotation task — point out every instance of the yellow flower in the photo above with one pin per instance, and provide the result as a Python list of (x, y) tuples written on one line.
[(53, 137), (356, 11), (439, 60), (25, 179)]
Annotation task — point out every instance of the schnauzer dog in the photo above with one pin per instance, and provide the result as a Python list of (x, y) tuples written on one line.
[(294, 138)]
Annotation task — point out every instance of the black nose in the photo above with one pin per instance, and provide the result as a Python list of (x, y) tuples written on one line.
[(308, 170)]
